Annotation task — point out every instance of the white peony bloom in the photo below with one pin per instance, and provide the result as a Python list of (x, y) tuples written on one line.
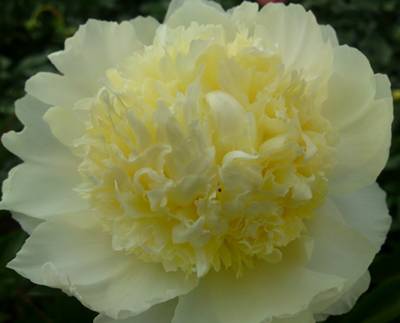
[(217, 168)]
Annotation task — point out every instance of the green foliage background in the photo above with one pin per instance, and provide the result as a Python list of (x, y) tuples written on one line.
[(31, 29)]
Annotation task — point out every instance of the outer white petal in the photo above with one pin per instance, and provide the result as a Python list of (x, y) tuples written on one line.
[(339, 250), (360, 108), (160, 313), (44, 185), (265, 292), (74, 254), (366, 212)]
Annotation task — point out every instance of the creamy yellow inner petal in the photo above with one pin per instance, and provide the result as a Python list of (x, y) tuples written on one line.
[(204, 152)]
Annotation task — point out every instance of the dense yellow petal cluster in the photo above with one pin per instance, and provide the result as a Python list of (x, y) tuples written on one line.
[(205, 152)]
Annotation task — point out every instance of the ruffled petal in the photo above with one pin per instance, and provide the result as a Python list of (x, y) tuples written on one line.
[(160, 313), (80, 261), (366, 212)]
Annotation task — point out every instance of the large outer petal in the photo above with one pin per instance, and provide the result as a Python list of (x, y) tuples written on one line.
[(261, 294), (360, 109), (361, 221), (43, 185), (353, 249), (366, 213), (74, 254), (160, 313)]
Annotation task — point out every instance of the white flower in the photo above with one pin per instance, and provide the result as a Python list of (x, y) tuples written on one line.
[(219, 167)]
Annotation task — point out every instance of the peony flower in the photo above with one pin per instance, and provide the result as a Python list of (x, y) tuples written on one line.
[(219, 167)]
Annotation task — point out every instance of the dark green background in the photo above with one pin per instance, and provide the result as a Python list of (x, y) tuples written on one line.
[(31, 29)]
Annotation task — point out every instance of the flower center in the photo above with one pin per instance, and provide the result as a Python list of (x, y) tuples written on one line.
[(204, 152)]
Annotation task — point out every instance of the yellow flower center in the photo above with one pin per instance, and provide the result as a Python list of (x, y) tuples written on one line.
[(204, 152)]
